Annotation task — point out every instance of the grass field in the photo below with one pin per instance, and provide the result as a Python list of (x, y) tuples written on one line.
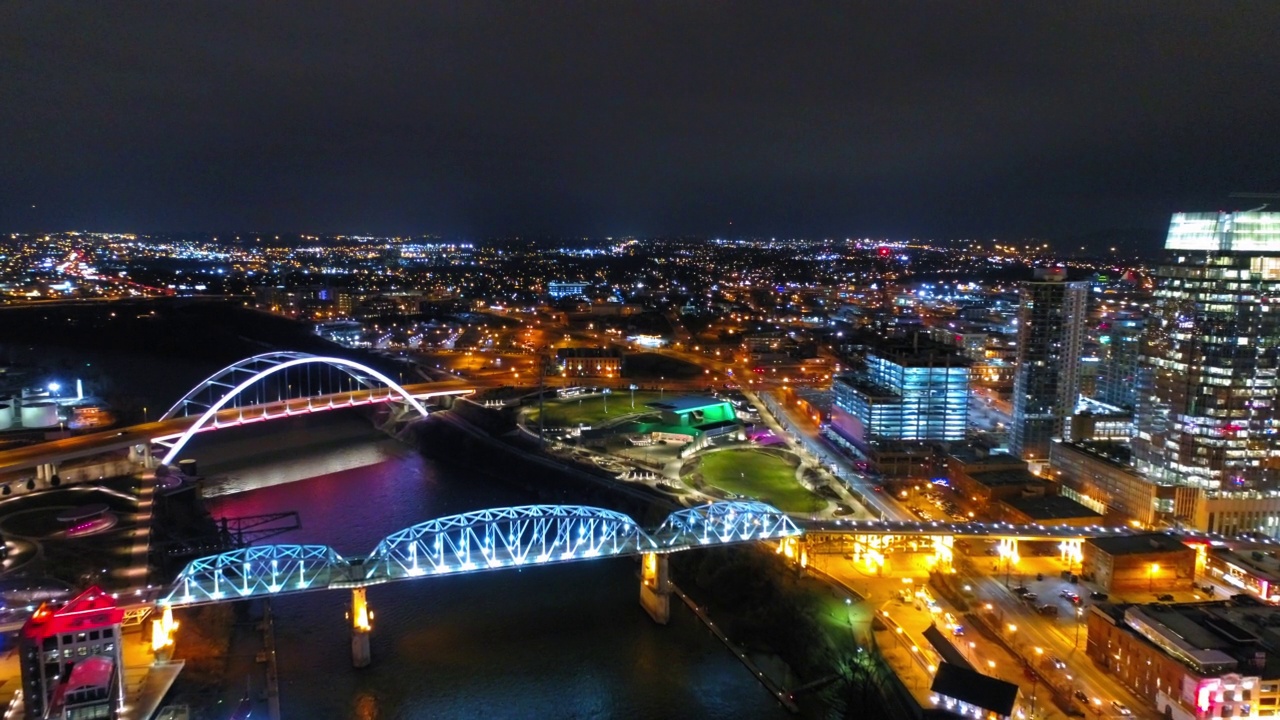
[(591, 410), (758, 475)]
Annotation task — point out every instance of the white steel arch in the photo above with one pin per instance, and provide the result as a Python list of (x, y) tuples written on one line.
[(247, 366), (295, 361)]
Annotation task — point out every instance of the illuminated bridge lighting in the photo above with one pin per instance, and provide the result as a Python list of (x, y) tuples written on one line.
[(226, 387), (478, 541)]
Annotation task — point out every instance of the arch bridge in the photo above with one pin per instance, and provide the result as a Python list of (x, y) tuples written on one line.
[(248, 391), (264, 387)]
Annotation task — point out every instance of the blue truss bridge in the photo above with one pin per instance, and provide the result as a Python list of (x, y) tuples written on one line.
[(479, 541)]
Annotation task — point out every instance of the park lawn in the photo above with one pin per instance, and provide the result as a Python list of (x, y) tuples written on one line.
[(590, 410), (759, 475)]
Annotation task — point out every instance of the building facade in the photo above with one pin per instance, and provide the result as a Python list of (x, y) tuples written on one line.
[(1151, 562), (1119, 338), (1207, 407), (1046, 386), (904, 392), (1197, 661), (70, 658), (589, 362), (1098, 475)]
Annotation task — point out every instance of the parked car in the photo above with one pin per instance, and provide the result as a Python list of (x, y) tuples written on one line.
[(1057, 662), (1079, 695), (1030, 597), (1120, 708), (1022, 590), (1165, 598), (1100, 596), (1050, 610)]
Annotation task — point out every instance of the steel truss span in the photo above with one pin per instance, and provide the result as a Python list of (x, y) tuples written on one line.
[(230, 383), (480, 541), (506, 537), (724, 522), (258, 571)]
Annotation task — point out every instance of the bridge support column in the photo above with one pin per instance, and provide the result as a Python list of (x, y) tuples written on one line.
[(143, 457), (794, 550), (655, 587), (1072, 552), (361, 627)]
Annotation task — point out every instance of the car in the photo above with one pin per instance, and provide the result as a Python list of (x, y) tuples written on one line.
[(1098, 596), (1057, 662), (1022, 590), (1165, 598), (1039, 576), (958, 631), (1049, 610), (1120, 708), (1030, 597), (1079, 695)]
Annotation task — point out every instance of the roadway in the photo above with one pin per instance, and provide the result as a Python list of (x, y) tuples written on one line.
[(89, 444), (1061, 638)]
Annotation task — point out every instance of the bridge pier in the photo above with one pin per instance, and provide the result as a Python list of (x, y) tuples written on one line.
[(141, 454), (655, 587), (361, 627)]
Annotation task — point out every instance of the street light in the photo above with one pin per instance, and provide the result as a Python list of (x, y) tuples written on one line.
[(1151, 576), (1076, 642)]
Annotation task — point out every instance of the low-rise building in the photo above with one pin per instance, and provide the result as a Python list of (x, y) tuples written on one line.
[(1196, 661), (1151, 561), (1257, 572), (1046, 510), (1098, 474), (589, 362), (983, 476), (71, 660)]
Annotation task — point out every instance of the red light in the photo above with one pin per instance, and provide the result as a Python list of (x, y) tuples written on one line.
[(885, 252)]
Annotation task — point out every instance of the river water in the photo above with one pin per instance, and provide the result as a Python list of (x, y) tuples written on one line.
[(565, 641)]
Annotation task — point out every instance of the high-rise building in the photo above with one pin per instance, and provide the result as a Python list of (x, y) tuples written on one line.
[(1119, 336), (1207, 406), (917, 391), (1046, 385)]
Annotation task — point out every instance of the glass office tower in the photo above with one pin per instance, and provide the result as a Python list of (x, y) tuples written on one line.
[(1207, 414), (1046, 381), (904, 392)]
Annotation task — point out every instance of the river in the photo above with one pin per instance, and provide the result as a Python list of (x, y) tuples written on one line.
[(566, 641)]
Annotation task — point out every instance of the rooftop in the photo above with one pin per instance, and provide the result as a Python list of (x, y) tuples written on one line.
[(1116, 454), (1006, 476), (975, 688), (1138, 544), (687, 403), (1209, 637), (1051, 507)]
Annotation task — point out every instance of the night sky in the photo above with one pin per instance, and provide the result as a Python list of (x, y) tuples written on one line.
[(920, 119)]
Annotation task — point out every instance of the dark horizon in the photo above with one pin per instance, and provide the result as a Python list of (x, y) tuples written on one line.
[(635, 119)]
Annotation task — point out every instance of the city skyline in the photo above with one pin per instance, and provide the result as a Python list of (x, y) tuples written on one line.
[(635, 120)]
